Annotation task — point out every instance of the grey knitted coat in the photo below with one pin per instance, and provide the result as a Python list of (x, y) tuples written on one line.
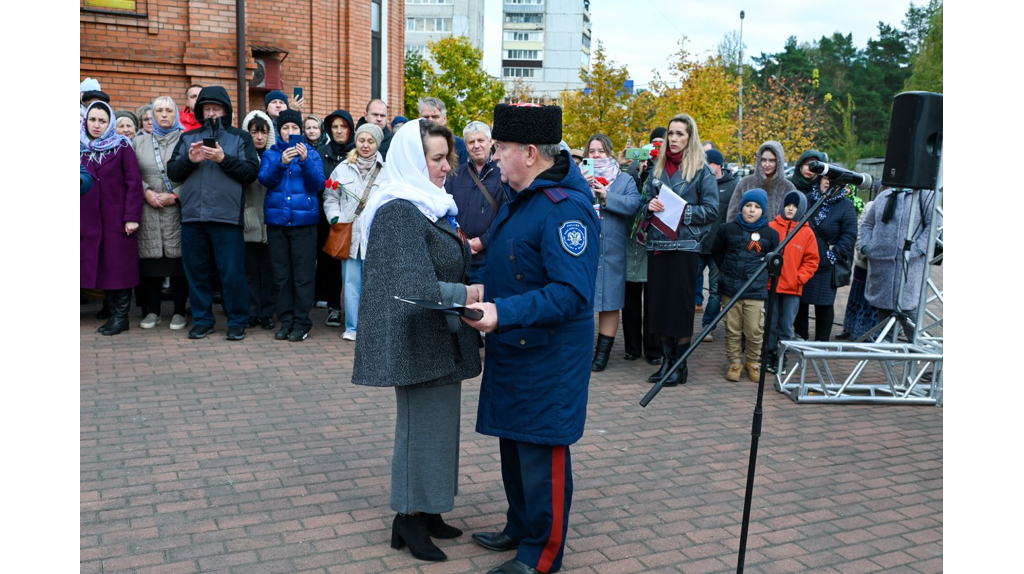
[(780, 186), (401, 344), (881, 244)]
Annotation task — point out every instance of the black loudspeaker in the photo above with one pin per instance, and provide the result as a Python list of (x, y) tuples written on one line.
[(915, 141)]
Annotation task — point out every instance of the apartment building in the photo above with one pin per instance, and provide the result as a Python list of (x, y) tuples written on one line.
[(545, 43)]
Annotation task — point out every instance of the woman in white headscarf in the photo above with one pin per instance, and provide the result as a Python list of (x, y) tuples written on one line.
[(415, 250)]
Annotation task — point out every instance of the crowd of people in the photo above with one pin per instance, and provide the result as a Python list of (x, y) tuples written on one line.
[(286, 213)]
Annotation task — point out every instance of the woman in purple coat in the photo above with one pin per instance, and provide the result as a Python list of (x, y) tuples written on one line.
[(110, 214)]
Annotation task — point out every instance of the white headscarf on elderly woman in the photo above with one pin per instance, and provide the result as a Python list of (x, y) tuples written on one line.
[(407, 177)]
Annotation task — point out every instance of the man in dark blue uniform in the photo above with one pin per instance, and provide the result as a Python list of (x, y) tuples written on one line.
[(538, 285)]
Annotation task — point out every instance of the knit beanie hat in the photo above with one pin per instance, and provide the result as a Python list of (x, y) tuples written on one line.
[(276, 95), (527, 124), (658, 133), (758, 196), (715, 156), (289, 116), (399, 120), (372, 129)]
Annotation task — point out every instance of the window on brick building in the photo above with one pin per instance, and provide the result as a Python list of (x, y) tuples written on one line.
[(375, 49), (129, 6)]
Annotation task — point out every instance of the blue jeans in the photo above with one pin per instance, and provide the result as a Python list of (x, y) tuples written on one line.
[(783, 315), (352, 275), (714, 305), (201, 242)]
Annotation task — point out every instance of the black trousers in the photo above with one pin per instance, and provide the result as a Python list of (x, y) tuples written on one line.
[(293, 258), (824, 316), (328, 269), (151, 288), (638, 340), (259, 274)]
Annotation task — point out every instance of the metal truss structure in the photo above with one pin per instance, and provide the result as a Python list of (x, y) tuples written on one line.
[(873, 369)]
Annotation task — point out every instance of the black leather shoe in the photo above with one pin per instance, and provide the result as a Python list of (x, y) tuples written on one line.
[(283, 333), (630, 357), (496, 541), (513, 567), (200, 331), (267, 322), (298, 334), (253, 321), (236, 333), (654, 361)]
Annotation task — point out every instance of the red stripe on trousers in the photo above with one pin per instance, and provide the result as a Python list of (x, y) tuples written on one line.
[(554, 543)]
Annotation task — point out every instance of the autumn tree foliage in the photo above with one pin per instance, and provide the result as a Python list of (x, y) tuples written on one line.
[(789, 112), (707, 90), (455, 75), (606, 106)]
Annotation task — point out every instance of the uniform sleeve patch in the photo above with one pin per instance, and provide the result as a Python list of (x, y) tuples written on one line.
[(573, 235)]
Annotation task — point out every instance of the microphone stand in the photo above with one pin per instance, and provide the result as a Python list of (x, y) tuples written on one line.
[(773, 262)]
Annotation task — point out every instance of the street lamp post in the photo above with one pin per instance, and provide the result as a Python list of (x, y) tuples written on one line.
[(739, 153)]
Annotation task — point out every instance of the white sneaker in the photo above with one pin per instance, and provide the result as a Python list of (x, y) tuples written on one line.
[(150, 321), (178, 322), (349, 336), (321, 304)]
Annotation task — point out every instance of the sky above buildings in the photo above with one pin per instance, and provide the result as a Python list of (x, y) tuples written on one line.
[(641, 34)]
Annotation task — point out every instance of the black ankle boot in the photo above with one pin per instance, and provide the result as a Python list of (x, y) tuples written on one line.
[(120, 302), (411, 529), (667, 343), (682, 373), (438, 529), (604, 348)]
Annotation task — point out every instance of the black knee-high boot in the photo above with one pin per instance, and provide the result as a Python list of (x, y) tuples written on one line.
[(120, 301), (667, 344)]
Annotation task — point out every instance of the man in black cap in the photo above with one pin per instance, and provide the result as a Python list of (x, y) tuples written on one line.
[(211, 210), (538, 281)]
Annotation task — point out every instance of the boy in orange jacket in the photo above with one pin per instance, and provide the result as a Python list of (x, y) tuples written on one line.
[(799, 262)]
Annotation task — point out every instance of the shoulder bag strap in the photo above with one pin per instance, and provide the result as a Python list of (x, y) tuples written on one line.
[(160, 164), (366, 192), (480, 185)]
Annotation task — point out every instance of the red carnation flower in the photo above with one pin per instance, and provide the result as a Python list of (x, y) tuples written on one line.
[(602, 181)]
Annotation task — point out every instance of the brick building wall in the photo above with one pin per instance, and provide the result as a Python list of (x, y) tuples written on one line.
[(164, 46)]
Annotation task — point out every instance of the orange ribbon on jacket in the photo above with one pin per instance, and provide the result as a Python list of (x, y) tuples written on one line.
[(754, 245)]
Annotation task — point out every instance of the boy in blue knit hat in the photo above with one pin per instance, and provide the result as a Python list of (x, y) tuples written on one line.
[(739, 250)]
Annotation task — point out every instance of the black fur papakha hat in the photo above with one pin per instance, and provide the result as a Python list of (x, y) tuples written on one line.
[(527, 124)]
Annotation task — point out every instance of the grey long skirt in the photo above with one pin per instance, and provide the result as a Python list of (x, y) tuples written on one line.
[(425, 466)]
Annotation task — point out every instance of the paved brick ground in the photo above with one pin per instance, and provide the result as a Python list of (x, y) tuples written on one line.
[(261, 456)]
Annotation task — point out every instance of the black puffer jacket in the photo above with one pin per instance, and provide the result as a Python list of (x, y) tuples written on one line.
[(737, 261)]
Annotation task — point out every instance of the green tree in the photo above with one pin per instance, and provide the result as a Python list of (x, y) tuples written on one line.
[(708, 91), (844, 141), (786, 111), (457, 77), (606, 106), (926, 69), (418, 73), (917, 24)]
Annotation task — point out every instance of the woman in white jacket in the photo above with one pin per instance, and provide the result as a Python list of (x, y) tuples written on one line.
[(357, 177)]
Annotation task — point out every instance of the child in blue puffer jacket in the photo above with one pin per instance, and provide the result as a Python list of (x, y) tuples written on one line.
[(294, 176)]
